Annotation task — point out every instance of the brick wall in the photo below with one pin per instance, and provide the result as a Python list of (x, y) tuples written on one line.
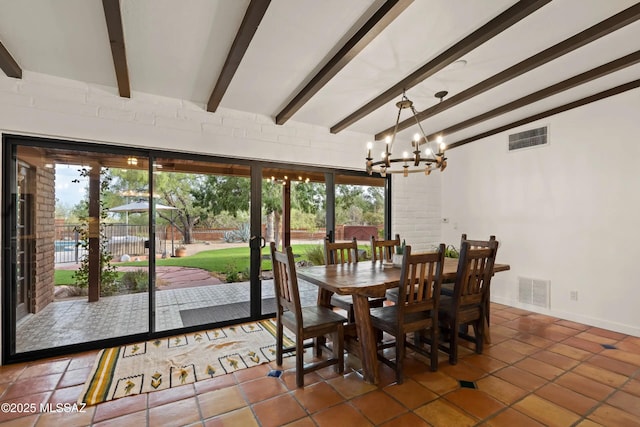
[(416, 209), (51, 106), (45, 235), (361, 232)]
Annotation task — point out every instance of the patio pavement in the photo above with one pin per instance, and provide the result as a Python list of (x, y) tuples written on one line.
[(73, 321)]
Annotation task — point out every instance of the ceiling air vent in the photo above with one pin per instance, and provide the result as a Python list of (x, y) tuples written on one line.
[(529, 138)]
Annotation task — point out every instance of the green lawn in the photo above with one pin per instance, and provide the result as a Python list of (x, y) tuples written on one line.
[(65, 277), (216, 260)]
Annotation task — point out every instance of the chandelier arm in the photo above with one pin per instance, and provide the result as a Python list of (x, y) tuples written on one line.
[(395, 128), (424, 135)]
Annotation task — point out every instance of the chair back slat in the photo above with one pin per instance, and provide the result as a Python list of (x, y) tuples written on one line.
[(475, 269), (383, 250), (420, 281), (285, 281), (340, 253)]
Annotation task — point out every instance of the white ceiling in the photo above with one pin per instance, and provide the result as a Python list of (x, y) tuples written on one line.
[(178, 48)]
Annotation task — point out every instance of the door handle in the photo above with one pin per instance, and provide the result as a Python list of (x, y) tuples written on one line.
[(256, 242)]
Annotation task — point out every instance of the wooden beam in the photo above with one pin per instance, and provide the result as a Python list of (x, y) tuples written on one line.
[(567, 84), (575, 104), (116, 40), (601, 29), (506, 19), (369, 31), (253, 16), (8, 64)]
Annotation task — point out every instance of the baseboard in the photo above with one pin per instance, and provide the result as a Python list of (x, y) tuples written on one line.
[(574, 317)]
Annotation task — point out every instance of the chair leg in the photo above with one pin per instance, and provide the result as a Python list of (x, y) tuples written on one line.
[(279, 343), (485, 327), (400, 353), (299, 362), (434, 348), (338, 348), (453, 344), (478, 330), (318, 342)]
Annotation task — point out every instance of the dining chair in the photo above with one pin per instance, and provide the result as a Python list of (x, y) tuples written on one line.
[(306, 322), (469, 302), (344, 253), (447, 287), (383, 250), (416, 310)]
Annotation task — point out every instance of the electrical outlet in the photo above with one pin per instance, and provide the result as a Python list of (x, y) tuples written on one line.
[(573, 295)]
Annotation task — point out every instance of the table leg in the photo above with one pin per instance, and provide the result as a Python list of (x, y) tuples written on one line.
[(367, 339), (324, 297)]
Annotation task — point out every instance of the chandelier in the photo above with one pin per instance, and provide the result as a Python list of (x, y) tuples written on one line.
[(430, 158)]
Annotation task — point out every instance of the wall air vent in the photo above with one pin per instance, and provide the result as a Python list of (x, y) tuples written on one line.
[(529, 138), (534, 292)]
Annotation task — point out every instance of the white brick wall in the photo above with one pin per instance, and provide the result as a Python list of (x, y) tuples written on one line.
[(53, 107), (49, 106), (416, 209)]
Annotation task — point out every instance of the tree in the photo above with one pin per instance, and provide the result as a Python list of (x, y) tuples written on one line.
[(272, 206), (359, 205), (173, 188), (219, 193), (308, 197), (176, 189)]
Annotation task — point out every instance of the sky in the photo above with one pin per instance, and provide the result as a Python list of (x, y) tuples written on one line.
[(69, 193)]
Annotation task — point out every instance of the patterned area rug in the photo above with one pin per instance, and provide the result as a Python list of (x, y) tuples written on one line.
[(182, 359)]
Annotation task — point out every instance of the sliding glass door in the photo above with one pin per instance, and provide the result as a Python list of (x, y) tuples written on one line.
[(67, 236), (202, 223), (293, 214), (105, 245)]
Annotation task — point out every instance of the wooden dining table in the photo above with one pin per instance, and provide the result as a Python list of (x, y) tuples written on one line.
[(363, 280)]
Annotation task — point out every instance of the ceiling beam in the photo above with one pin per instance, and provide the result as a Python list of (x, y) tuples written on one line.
[(594, 73), (8, 64), (601, 29), (253, 16), (116, 40), (514, 14), (575, 104), (369, 31)]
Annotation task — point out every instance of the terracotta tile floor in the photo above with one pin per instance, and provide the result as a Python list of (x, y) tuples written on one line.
[(538, 370)]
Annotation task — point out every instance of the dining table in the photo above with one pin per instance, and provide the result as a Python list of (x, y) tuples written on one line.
[(362, 280)]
